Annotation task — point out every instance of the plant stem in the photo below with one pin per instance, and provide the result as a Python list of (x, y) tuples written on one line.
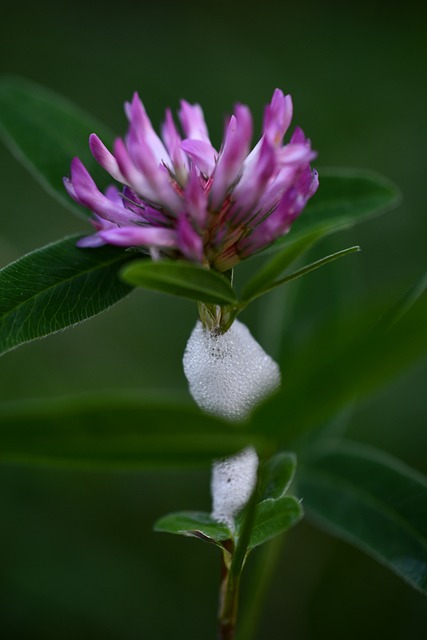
[(233, 560), (228, 604)]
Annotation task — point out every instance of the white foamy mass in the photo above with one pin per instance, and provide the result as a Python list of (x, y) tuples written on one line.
[(233, 480), (229, 373)]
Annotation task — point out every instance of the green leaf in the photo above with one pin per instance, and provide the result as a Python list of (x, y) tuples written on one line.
[(273, 517), (405, 302), (281, 260), (195, 524), (180, 279), (56, 287), (112, 429), (303, 271), (340, 363), (277, 475), (372, 501), (344, 198), (44, 132)]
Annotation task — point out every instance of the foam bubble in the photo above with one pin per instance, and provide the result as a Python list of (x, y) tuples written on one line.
[(233, 480), (229, 373)]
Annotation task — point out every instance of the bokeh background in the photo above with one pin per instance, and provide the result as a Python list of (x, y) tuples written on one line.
[(77, 555)]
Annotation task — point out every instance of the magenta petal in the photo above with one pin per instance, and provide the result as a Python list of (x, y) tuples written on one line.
[(196, 200), (89, 195), (296, 153), (142, 130), (189, 241), (156, 176), (233, 153), (113, 194), (70, 189), (105, 158), (140, 236), (133, 175), (173, 144), (193, 121), (298, 136), (202, 154), (277, 117), (255, 178), (280, 221), (90, 242)]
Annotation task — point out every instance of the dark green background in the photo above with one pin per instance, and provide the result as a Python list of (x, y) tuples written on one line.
[(77, 556)]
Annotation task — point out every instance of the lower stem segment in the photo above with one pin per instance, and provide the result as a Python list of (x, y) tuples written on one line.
[(228, 603)]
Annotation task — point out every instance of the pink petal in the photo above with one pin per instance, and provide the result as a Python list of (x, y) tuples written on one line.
[(142, 129), (255, 178), (173, 143), (105, 158), (196, 200), (91, 241), (277, 117), (132, 176), (202, 154), (113, 194), (136, 236), (156, 176), (193, 121), (189, 241), (89, 195), (295, 154), (279, 222), (232, 155)]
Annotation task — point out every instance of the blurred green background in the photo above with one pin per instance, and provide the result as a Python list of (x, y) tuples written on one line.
[(77, 555)]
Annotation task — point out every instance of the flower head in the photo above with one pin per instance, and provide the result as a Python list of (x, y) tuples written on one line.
[(181, 198)]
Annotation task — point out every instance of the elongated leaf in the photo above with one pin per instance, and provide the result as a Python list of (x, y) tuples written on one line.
[(344, 198), (372, 501), (114, 429), (45, 131), (273, 517), (280, 261), (56, 287), (339, 364), (404, 303), (195, 524), (180, 279), (303, 271)]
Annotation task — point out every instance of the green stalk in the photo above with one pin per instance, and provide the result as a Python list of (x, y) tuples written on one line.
[(231, 573), (229, 600)]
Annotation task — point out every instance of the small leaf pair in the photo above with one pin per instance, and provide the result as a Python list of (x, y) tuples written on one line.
[(274, 512)]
